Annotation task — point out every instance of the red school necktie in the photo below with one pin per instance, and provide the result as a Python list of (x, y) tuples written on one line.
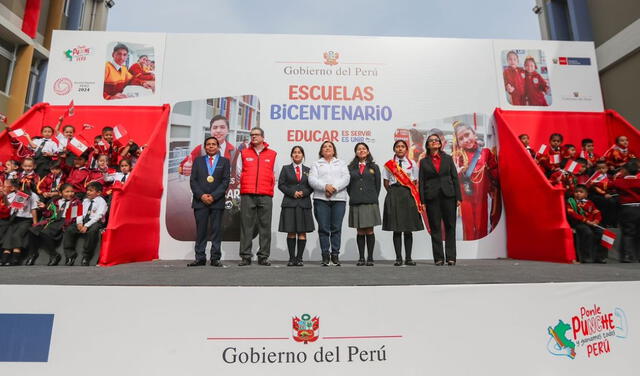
[(298, 176), (361, 168)]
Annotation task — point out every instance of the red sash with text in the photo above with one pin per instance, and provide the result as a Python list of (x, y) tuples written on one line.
[(404, 180)]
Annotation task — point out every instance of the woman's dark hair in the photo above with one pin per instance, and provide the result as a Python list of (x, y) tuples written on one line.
[(399, 141), (133, 148), (426, 144), (335, 151), (299, 148), (354, 163)]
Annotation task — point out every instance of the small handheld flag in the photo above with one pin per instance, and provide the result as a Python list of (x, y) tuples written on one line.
[(78, 145), (608, 238)]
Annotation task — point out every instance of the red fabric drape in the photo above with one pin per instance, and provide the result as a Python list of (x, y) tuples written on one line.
[(133, 232), (535, 211), (31, 17)]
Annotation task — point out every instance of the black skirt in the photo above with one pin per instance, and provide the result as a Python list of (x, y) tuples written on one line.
[(400, 211), (296, 220), (16, 235), (52, 230)]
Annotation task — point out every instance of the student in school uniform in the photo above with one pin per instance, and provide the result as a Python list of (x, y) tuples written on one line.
[(28, 178), (618, 155), (583, 217), (569, 180), (88, 225), (14, 240), (600, 193), (514, 77), (589, 154), (535, 86), (110, 149), (5, 213), (49, 187), (627, 184), (209, 181), (402, 204), (11, 170), (551, 158), (56, 218), (125, 171), (102, 174), (524, 139), (568, 153), (441, 194), (296, 218), (364, 190), (77, 174), (68, 131), (44, 148)]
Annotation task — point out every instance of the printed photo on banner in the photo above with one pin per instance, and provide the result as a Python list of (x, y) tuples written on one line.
[(129, 71), (471, 140), (526, 77), (229, 120)]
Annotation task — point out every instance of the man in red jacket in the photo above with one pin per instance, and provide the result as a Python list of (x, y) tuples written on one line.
[(628, 186), (256, 170)]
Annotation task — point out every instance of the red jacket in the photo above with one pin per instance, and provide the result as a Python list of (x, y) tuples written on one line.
[(77, 177), (257, 176), (629, 189), (534, 89), (589, 212), (515, 77), (617, 157)]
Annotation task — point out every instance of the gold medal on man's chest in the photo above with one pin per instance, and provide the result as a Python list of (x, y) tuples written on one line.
[(210, 179)]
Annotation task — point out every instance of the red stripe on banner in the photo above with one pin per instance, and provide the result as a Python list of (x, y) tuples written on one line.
[(363, 337), (475, 121), (30, 18), (228, 109), (245, 338)]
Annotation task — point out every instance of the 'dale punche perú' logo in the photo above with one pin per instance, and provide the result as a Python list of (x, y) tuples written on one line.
[(593, 330), (305, 328)]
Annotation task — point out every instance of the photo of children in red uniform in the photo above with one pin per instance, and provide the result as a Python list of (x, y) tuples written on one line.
[(471, 142), (129, 71), (526, 78), (229, 120)]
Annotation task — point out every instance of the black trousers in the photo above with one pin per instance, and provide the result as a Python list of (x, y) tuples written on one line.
[(91, 237), (205, 217), (588, 246), (442, 210), (630, 228)]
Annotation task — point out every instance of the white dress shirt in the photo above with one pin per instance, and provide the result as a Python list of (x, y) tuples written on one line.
[(98, 211), (48, 147), (29, 205), (334, 172), (409, 166)]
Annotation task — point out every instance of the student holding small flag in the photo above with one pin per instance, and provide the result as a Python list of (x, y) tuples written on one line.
[(549, 157), (88, 225), (24, 205), (589, 154), (109, 148), (600, 194), (628, 186), (209, 180), (402, 205), (584, 218), (619, 154), (49, 186), (77, 174), (28, 178), (44, 149)]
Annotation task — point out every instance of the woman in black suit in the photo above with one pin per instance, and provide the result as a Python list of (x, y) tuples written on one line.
[(440, 193), (295, 218)]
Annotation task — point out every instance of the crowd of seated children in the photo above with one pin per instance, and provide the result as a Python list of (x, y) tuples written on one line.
[(601, 191), (49, 196)]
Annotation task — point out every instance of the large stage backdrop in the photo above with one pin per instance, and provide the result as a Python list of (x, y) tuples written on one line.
[(306, 89)]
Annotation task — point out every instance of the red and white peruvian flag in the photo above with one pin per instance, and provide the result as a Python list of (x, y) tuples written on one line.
[(608, 238), (20, 135), (542, 149), (19, 201), (572, 167), (59, 139), (597, 177), (3, 118), (78, 145), (120, 134), (71, 110), (555, 158), (74, 212)]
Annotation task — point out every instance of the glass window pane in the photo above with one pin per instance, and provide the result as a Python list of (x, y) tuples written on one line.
[(5, 69)]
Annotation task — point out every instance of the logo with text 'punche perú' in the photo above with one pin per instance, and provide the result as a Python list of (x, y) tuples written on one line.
[(592, 331)]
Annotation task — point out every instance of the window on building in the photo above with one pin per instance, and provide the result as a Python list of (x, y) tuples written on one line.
[(32, 88), (7, 60)]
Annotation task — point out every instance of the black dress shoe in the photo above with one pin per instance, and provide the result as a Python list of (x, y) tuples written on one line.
[(325, 260), (54, 260), (409, 262), (216, 263), (291, 263), (70, 261), (601, 261), (245, 261), (31, 260), (398, 262), (198, 263), (264, 261), (15, 259), (360, 262), (625, 260), (439, 263), (335, 260), (369, 262), (299, 262), (451, 262), (4, 259), (85, 261)]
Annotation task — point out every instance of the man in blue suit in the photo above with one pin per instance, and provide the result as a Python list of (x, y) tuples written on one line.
[(209, 180)]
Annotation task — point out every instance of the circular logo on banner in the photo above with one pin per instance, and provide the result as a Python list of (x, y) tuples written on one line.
[(62, 86)]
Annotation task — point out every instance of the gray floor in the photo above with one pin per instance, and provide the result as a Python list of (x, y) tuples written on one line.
[(175, 273)]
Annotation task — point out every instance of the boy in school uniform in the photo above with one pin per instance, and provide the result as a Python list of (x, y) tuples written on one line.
[(627, 184), (13, 241), (111, 150), (600, 193), (77, 174), (28, 178), (551, 158), (48, 187), (618, 155), (568, 153), (590, 155), (43, 150), (88, 225), (569, 180), (56, 218), (583, 217), (524, 139)]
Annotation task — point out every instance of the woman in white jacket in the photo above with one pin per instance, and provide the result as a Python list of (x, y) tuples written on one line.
[(329, 178)]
